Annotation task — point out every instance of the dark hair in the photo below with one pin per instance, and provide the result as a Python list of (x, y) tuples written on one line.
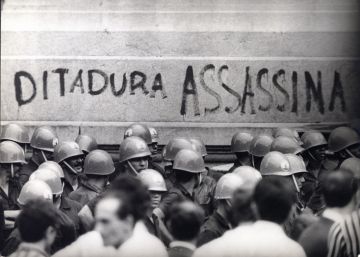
[(274, 198), (242, 210), (34, 219), (183, 176), (338, 188), (185, 219), (133, 194)]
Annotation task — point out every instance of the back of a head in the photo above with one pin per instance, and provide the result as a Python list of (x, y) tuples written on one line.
[(339, 188), (274, 198), (34, 219), (133, 194), (185, 219)]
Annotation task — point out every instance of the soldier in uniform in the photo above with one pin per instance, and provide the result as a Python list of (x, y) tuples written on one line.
[(98, 166), (16, 133), (86, 143), (69, 156), (259, 146), (240, 146)]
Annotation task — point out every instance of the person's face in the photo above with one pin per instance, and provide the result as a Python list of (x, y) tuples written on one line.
[(113, 230), (299, 180), (155, 198), (153, 147), (6, 168), (140, 163), (41, 155), (355, 150), (76, 163), (50, 236), (318, 152)]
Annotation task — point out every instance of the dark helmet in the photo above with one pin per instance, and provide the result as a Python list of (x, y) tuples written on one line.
[(86, 143), (133, 147), (98, 162), (139, 130), (286, 145), (44, 138), (341, 138), (240, 142), (174, 146), (313, 139), (15, 132), (189, 161), (260, 145)]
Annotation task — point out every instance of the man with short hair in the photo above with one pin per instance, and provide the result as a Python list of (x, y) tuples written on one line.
[(38, 227), (339, 190), (184, 224)]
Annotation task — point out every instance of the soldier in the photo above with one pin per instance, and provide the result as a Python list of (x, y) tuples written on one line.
[(240, 146), (285, 145), (154, 141), (98, 166), (42, 142), (249, 175), (344, 142), (288, 132), (86, 143), (157, 188), (134, 156), (220, 220), (259, 146), (69, 156), (16, 133), (61, 202)]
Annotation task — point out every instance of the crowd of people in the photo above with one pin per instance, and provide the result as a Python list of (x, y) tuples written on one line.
[(285, 195)]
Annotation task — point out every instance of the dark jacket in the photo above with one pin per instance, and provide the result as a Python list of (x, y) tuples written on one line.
[(84, 193), (9, 200), (213, 228), (26, 170), (71, 209)]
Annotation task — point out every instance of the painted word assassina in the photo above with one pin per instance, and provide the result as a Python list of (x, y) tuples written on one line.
[(280, 90)]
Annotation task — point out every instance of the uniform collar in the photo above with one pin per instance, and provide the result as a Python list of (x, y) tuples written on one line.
[(91, 187)]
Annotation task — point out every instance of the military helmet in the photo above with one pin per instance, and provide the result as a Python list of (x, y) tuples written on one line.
[(189, 161), (139, 130), (50, 177), (44, 138), (341, 138), (98, 162), (199, 146), (297, 164), (53, 166), (153, 180), (65, 150), (227, 185), (174, 146), (313, 139), (33, 190), (240, 142), (353, 165), (288, 132), (11, 152), (286, 145), (15, 132), (154, 135), (248, 174), (275, 163), (133, 147), (260, 145), (86, 143)]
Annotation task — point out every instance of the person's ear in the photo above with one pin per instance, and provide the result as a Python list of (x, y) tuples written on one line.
[(130, 221), (50, 235)]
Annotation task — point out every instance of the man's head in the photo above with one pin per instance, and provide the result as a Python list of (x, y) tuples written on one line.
[(37, 222), (339, 188), (126, 203), (274, 198), (185, 219)]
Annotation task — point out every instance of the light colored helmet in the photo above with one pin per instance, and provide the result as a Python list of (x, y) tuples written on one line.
[(15, 132), (286, 145), (98, 162), (86, 143), (288, 132), (11, 152), (240, 142), (174, 146), (65, 150), (260, 145), (50, 177), (275, 163), (313, 139), (53, 166), (139, 130), (227, 185), (248, 174), (353, 165), (44, 138), (189, 161), (341, 138), (154, 135), (153, 180), (33, 190), (133, 147), (199, 146), (297, 164)]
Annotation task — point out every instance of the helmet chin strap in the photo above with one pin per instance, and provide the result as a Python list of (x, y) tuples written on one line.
[(43, 155), (253, 160), (70, 168), (349, 153), (12, 170), (296, 185), (132, 168)]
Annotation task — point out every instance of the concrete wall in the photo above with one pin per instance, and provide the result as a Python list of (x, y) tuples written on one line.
[(204, 68)]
